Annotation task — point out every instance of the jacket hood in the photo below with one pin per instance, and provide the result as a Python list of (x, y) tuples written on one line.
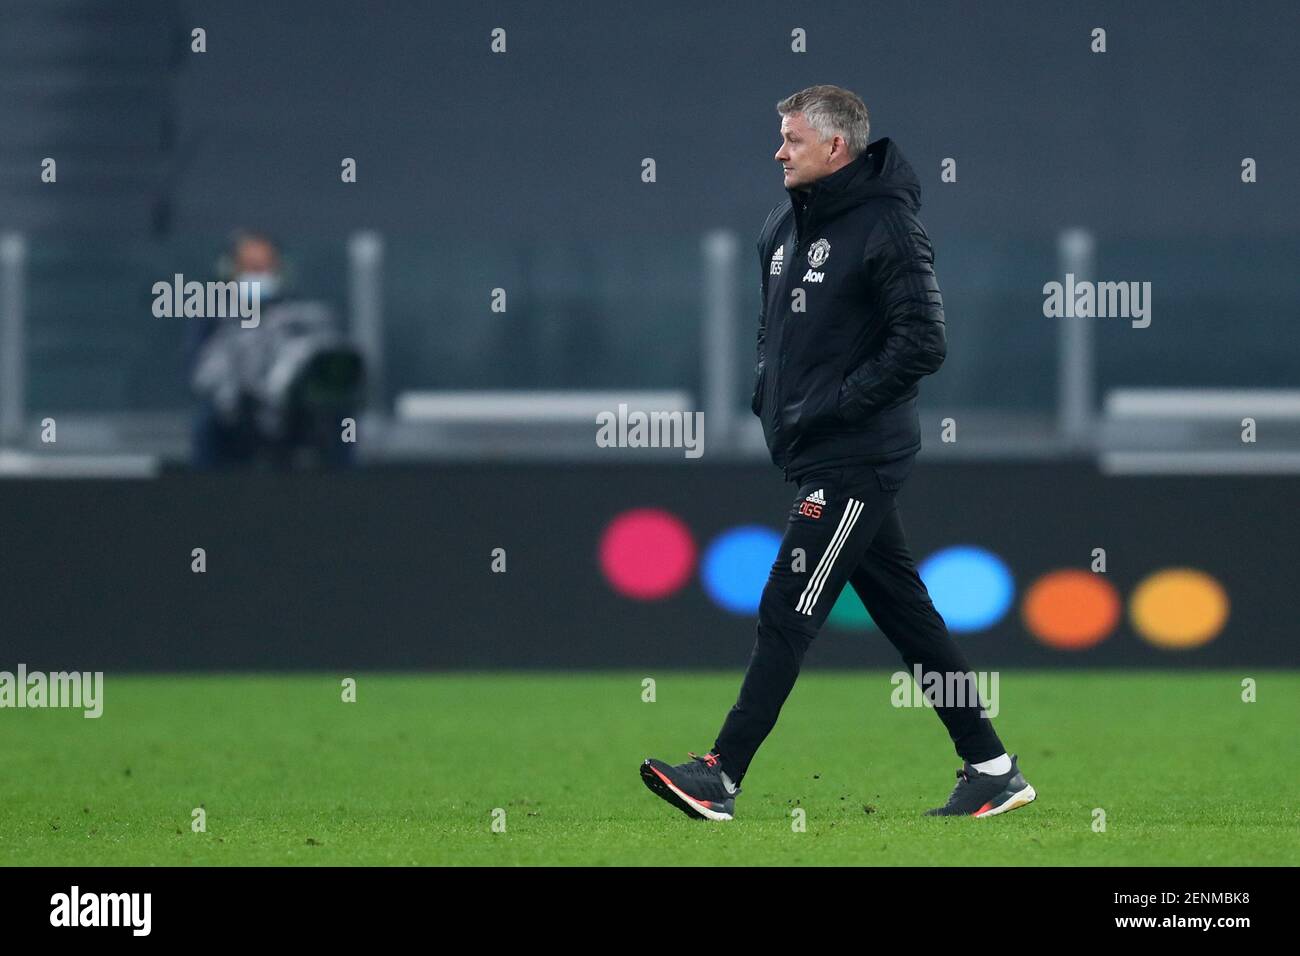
[(881, 170)]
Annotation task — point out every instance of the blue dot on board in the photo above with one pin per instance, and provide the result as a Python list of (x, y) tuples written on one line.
[(735, 566), (972, 588)]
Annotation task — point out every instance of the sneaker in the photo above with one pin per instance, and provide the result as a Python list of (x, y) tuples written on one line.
[(696, 788), (984, 794)]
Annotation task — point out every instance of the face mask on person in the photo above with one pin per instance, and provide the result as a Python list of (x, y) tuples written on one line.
[(268, 282)]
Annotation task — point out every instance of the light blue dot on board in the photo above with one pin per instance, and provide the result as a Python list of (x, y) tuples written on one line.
[(735, 566), (971, 587)]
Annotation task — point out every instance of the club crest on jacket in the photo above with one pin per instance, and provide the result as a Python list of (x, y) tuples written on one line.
[(818, 253)]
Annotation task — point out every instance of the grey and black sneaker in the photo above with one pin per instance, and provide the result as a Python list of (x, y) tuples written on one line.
[(699, 788), (985, 795)]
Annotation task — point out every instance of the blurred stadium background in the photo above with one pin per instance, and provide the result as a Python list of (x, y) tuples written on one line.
[(521, 171)]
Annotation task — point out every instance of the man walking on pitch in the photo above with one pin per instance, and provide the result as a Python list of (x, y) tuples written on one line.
[(851, 320)]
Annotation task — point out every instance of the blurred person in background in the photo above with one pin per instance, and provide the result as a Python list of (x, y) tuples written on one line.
[(275, 394)]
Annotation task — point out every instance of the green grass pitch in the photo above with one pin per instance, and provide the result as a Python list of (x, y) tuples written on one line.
[(412, 771)]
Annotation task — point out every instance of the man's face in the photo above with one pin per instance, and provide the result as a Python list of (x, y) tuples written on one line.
[(256, 255), (804, 156)]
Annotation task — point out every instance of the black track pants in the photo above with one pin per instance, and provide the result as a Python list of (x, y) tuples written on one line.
[(845, 526)]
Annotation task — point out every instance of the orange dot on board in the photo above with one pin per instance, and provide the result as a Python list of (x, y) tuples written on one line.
[(1071, 609)]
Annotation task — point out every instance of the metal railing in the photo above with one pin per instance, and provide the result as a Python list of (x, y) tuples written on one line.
[(409, 317)]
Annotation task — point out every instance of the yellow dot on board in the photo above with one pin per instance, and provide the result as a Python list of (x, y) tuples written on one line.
[(1179, 608)]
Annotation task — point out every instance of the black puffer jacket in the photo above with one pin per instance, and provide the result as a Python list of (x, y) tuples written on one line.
[(851, 317)]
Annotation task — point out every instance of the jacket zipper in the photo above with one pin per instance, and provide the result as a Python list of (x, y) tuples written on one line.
[(790, 263)]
